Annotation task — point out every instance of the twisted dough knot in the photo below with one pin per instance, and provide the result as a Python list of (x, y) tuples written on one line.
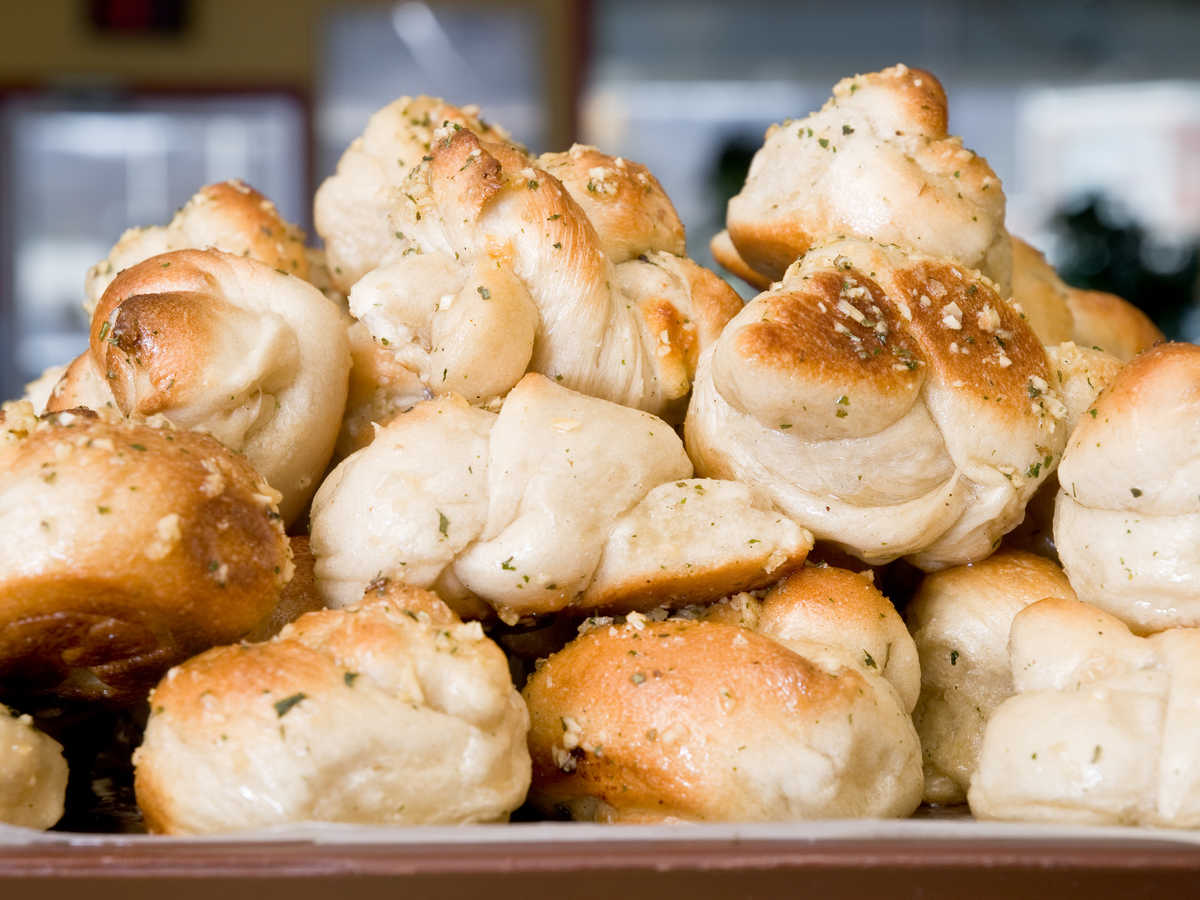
[(225, 345), (892, 403), (1127, 517), (874, 162), (129, 549), (495, 268), (229, 216), (1102, 729), (792, 708), (477, 504), (960, 619), (394, 712), (351, 207)]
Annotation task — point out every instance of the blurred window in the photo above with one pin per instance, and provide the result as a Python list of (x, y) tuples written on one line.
[(76, 173), (688, 87), (486, 54)]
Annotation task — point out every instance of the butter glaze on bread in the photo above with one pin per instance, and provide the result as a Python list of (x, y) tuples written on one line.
[(127, 549), (704, 721), (392, 712)]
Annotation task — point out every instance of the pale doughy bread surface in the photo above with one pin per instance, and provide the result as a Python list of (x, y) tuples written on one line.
[(892, 403), (392, 712), (559, 500), (33, 773), (960, 620), (1127, 519), (479, 264), (1104, 728), (352, 206)]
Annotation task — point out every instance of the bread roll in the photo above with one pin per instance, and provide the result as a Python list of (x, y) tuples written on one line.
[(1127, 519), (393, 712), (352, 206), (1080, 374), (1041, 294), (560, 500), (960, 619), (1104, 729), (217, 343), (838, 609), (892, 403), (128, 548), (703, 721), (1109, 323), (490, 266), (229, 216), (81, 386), (33, 773), (37, 392), (876, 162)]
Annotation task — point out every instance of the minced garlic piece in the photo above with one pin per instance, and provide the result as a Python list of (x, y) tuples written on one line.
[(167, 534)]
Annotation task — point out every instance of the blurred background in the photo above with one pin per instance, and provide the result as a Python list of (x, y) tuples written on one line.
[(113, 112)]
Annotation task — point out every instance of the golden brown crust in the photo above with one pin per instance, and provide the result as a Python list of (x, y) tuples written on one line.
[(622, 199), (694, 583), (723, 251), (130, 548), (251, 218), (409, 599), (1006, 386), (859, 317), (250, 354), (1041, 294), (647, 692), (229, 216), (714, 303), (889, 401), (802, 333), (824, 591), (1112, 324)]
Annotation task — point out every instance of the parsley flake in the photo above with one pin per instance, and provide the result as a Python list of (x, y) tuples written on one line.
[(284, 706)]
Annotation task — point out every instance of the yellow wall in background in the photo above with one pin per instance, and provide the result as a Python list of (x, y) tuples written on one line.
[(228, 43)]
